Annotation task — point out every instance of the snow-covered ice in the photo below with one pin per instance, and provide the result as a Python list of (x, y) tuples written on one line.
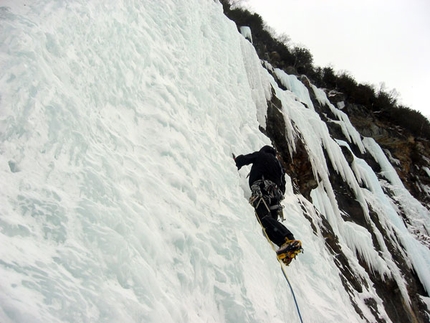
[(120, 201)]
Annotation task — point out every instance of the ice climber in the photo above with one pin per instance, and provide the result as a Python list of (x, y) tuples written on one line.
[(267, 183)]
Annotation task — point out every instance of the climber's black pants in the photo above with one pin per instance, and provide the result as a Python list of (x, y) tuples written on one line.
[(275, 230)]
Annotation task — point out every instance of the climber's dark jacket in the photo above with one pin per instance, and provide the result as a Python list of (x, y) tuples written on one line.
[(264, 164)]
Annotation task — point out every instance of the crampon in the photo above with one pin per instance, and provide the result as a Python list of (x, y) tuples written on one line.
[(287, 253)]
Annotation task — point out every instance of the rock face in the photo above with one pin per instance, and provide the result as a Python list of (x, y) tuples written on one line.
[(296, 164), (410, 156)]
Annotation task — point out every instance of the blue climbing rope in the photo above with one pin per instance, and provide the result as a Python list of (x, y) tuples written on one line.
[(292, 291)]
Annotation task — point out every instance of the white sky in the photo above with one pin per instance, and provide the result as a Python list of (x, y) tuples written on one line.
[(375, 40)]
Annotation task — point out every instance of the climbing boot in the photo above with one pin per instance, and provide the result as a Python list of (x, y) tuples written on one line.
[(289, 250)]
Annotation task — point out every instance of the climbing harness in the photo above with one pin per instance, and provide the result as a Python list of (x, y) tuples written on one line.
[(271, 189), (271, 193)]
